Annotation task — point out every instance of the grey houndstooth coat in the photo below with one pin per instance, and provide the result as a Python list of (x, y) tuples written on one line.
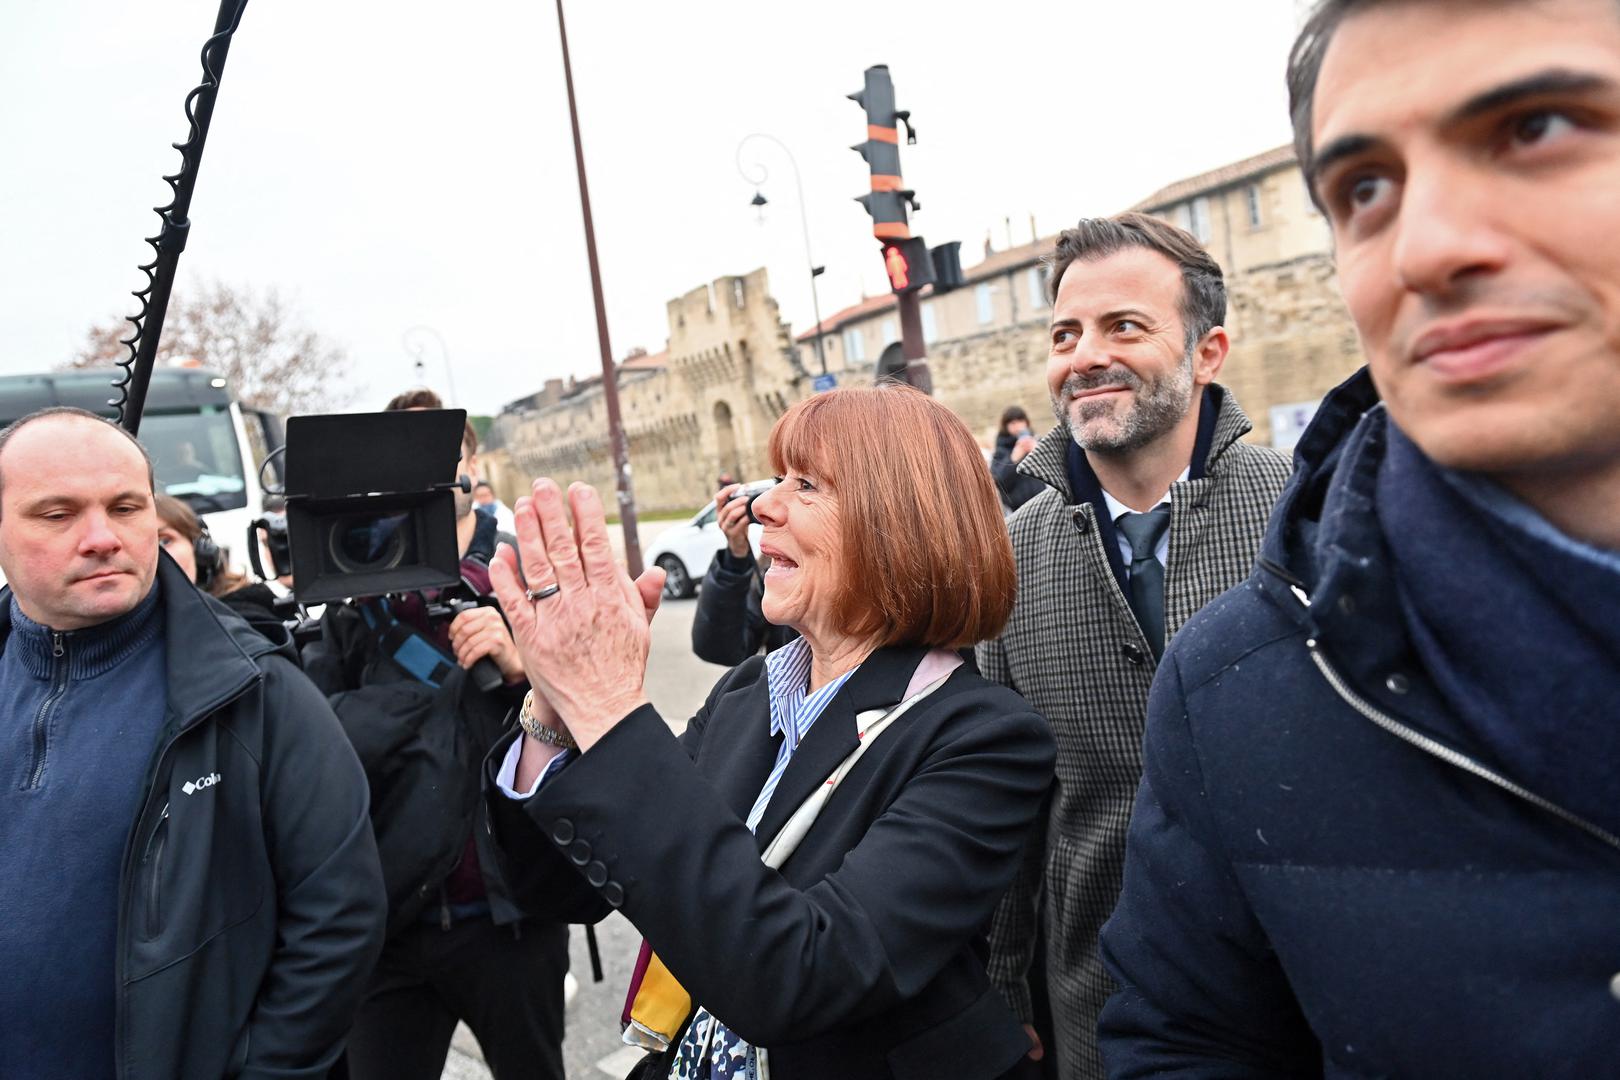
[(1074, 651)]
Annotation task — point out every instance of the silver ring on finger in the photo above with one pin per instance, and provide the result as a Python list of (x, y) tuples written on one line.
[(536, 595)]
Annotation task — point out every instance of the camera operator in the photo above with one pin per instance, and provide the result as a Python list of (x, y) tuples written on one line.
[(459, 948), (729, 625)]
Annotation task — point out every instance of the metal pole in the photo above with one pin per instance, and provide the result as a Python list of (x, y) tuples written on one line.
[(912, 346), (610, 379), (804, 223)]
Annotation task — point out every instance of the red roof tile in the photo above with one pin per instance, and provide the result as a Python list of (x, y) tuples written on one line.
[(855, 311), (646, 362)]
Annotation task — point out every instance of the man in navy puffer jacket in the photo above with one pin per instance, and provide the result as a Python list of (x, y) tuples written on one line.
[(1378, 832)]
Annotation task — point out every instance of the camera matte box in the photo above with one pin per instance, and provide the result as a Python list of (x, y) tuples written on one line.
[(341, 455), (345, 465)]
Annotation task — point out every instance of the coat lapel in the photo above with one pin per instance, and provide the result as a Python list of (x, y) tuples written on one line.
[(738, 752), (878, 684), (1100, 554), (1048, 462), (1189, 516)]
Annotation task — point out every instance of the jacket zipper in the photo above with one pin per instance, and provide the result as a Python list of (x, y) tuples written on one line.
[(42, 718), (120, 1019), (154, 860), (1445, 753)]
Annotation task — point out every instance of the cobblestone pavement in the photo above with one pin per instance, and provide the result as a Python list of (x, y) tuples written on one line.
[(677, 683)]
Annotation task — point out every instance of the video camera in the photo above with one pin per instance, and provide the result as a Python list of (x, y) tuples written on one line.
[(369, 512), (270, 531)]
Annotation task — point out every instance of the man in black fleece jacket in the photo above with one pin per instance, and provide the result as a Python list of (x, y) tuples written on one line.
[(188, 879)]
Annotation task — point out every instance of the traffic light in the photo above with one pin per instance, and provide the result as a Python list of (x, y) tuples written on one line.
[(947, 259), (888, 210), (906, 258), (889, 197), (908, 264)]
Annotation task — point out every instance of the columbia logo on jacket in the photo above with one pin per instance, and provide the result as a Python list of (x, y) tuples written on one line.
[(191, 787)]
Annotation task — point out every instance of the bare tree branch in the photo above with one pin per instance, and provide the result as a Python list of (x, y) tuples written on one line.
[(272, 360)]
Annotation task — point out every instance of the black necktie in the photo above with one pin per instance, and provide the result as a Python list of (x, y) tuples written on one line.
[(1142, 532)]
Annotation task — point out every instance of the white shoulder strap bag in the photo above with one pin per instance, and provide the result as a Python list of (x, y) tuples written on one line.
[(868, 726)]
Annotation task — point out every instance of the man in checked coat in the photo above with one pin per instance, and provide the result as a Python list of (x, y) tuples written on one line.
[(1153, 508)]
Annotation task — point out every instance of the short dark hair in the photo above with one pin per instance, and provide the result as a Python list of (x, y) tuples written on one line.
[(1305, 64), (484, 484), (82, 414), (418, 397), (1203, 287), (422, 398), (1011, 413)]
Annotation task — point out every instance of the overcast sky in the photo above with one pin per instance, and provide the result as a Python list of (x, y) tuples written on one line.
[(392, 165)]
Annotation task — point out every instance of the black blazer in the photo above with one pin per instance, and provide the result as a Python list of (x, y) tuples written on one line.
[(863, 957)]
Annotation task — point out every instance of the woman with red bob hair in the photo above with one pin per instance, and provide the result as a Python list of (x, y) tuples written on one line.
[(814, 860)]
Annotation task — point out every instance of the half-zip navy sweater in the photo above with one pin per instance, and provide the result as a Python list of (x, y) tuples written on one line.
[(80, 714)]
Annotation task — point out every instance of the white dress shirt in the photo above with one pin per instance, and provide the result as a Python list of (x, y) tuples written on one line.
[(506, 776)]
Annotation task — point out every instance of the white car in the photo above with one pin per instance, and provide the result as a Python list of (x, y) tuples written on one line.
[(685, 551)]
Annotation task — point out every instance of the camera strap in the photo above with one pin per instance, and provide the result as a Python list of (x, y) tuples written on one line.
[(413, 651)]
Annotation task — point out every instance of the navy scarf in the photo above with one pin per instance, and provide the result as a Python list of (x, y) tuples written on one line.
[(1517, 624)]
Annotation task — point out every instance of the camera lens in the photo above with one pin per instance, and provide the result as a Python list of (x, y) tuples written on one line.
[(362, 542)]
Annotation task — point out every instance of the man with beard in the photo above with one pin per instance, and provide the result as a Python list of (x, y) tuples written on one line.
[(1153, 508), (459, 947)]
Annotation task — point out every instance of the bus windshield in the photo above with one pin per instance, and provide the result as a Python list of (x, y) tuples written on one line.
[(196, 458)]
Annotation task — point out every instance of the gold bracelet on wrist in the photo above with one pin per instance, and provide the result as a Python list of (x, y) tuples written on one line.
[(550, 736)]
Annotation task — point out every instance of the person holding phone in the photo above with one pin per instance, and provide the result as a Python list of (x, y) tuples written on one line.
[(729, 625), (1014, 440)]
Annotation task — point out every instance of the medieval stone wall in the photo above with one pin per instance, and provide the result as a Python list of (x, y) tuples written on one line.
[(729, 374), (1292, 339), (979, 376)]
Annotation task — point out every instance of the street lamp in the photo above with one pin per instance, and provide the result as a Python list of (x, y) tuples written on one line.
[(412, 340), (758, 176)]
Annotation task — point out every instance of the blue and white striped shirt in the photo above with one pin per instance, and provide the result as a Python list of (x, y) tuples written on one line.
[(793, 709)]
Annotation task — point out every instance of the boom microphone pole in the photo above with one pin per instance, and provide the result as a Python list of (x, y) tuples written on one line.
[(171, 238)]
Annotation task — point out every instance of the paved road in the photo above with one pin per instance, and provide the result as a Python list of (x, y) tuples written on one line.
[(677, 683)]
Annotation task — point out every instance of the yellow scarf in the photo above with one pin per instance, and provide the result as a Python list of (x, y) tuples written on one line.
[(661, 1005)]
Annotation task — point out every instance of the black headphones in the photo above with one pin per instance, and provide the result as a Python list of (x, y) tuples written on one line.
[(210, 559)]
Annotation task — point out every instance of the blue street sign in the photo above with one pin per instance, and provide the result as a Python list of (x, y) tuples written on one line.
[(823, 382)]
